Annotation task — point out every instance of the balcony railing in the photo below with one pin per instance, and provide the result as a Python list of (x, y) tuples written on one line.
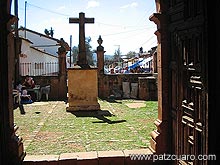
[(39, 69)]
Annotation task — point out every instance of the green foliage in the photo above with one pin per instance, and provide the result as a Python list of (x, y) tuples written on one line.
[(117, 55), (47, 32), (131, 54), (75, 52), (89, 52)]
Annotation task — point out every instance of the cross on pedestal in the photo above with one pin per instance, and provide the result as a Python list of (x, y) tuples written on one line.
[(82, 61)]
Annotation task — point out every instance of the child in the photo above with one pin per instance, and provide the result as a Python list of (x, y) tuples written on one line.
[(25, 97), (19, 86)]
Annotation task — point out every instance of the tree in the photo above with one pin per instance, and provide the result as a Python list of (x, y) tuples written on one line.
[(131, 54), (117, 56), (89, 52), (49, 32), (75, 52)]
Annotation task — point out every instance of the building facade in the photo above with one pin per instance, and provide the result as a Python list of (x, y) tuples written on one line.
[(38, 54)]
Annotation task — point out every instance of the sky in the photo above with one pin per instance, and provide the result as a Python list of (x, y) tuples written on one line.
[(122, 24)]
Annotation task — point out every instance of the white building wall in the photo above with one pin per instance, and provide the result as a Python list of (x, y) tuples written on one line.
[(40, 41), (34, 62)]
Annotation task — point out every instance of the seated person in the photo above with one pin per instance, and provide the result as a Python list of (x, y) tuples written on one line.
[(25, 97), (18, 86), (28, 82), (17, 92), (126, 70)]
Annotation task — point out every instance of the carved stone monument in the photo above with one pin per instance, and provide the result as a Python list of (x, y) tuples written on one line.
[(82, 79), (82, 61)]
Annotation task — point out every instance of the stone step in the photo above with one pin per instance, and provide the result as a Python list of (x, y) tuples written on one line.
[(125, 157)]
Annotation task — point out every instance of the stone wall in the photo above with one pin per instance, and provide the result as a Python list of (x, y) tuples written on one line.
[(58, 84), (58, 88), (112, 85), (117, 85), (108, 85)]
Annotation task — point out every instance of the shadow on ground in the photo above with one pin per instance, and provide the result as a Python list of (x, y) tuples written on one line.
[(99, 114), (113, 100)]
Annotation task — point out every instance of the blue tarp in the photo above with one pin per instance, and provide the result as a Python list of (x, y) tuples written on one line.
[(135, 65), (145, 61)]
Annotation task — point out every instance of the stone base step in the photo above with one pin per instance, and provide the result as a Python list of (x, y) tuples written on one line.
[(125, 157)]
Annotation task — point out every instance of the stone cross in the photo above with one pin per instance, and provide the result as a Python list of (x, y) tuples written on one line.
[(82, 61)]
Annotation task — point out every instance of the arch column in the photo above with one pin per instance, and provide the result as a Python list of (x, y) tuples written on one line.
[(11, 145), (160, 142)]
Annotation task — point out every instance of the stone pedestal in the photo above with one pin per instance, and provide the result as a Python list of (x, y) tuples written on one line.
[(82, 89)]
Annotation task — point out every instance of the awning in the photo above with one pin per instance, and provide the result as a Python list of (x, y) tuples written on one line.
[(145, 61), (135, 65)]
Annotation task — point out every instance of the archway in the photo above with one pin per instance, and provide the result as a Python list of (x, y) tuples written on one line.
[(10, 143)]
